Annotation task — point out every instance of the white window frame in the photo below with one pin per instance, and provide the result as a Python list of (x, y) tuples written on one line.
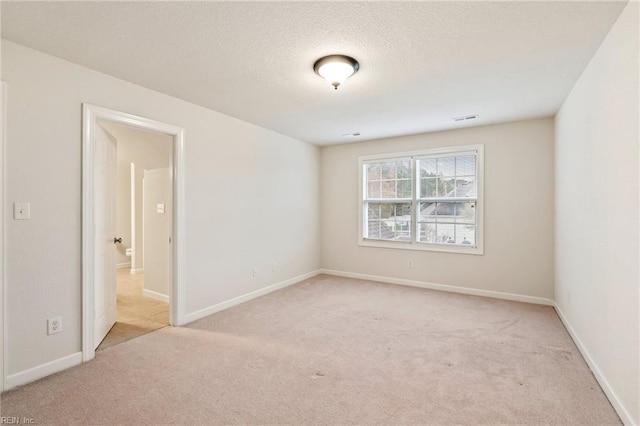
[(478, 249)]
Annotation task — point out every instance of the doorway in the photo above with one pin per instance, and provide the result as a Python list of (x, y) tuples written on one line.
[(143, 201), (102, 247)]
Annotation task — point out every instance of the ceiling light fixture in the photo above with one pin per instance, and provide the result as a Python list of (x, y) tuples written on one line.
[(336, 68)]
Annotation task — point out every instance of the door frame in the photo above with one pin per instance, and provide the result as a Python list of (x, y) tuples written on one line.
[(90, 116), (3, 264)]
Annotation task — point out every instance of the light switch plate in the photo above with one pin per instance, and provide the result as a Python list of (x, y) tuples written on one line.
[(21, 211), (160, 208)]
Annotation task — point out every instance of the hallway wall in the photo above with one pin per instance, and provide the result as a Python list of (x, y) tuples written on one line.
[(148, 150), (157, 231)]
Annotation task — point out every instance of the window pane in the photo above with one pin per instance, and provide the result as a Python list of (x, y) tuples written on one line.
[(392, 177), (437, 187), (389, 221), (373, 211), (427, 167), (446, 166), (387, 210), (465, 213), (446, 187), (388, 189), (403, 169), (388, 170), (373, 171), (466, 165), (445, 233), (373, 221), (466, 235), (404, 188), (373, 189), (402, 230), (446, 212), (466, 187), (447, 223), (373, 229), (403, 209), (427, 212), (428, 187), (448, 177), (427, 232)]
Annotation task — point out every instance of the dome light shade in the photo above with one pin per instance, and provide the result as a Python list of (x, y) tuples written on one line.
[(336, 68)]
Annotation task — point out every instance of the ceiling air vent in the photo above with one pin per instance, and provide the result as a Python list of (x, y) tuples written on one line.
[(465, 117)]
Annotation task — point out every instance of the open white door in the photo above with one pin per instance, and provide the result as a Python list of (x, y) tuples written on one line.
[(105, 163)]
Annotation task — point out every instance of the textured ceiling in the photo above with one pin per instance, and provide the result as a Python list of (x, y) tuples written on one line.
[(422, 63)]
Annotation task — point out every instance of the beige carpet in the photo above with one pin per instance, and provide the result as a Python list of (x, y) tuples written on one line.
[(137, 314), (335, 351)]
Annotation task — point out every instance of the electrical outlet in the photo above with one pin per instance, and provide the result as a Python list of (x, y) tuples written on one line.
[(54, 325), (274, 267), (410, 263), (255, 271)]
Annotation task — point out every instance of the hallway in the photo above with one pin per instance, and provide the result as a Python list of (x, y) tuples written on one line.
[(137, 314)]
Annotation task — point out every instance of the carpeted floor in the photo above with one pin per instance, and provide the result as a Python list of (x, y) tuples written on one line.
[(335, 351), (137, 314)]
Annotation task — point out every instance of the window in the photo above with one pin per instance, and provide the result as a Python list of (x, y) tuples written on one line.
[(425, 200)]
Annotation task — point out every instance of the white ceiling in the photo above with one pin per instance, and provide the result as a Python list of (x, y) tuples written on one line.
[(422, 63)]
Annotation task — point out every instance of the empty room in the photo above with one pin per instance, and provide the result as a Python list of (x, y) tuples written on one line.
[(323, 212)]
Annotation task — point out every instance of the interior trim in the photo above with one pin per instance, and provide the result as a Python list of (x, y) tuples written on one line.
[(248, 296), (617, 404), (43, 370), (90, 116), (443, 287)]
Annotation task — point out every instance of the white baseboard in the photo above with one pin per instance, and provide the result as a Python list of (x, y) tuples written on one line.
[(43, 370), (443, 287), (123, 265), (155, 295), (246, 297), (604, 384), (137, 271)]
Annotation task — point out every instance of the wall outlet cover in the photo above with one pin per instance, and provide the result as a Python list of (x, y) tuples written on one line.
[(54, 325)]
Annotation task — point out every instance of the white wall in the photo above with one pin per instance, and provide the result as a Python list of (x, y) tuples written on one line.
[(151, 150), (597, 213), (157, 230), (518, 229), (251, 199), (123, 210)]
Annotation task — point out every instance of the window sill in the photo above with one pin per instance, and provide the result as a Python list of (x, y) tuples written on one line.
[(400, 245)]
